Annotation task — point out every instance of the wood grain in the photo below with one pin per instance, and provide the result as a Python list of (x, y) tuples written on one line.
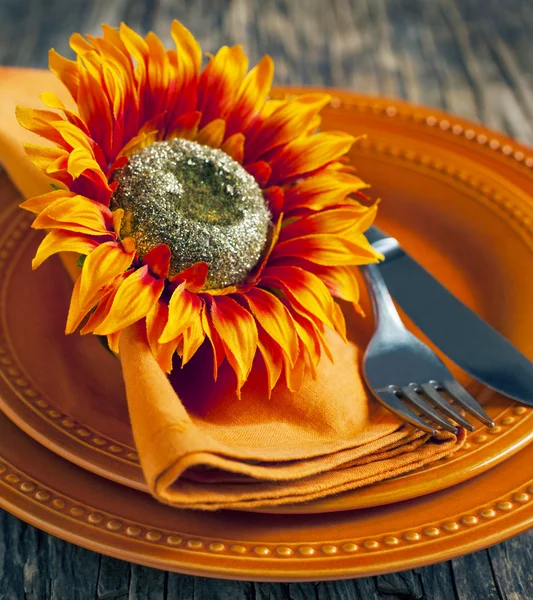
[(471, 57)]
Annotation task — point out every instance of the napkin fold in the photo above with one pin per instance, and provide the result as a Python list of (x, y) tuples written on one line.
[(200, 445)]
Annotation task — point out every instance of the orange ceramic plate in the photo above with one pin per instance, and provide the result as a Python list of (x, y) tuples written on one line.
[(460, 199), (51, 493)]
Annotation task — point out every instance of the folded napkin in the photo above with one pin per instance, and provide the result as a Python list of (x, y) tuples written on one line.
[(201, 446)]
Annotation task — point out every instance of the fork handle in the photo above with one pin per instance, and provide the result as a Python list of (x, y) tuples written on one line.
[(385, 312)]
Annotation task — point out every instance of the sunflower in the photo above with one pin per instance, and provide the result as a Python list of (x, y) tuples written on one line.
[(197, 204)]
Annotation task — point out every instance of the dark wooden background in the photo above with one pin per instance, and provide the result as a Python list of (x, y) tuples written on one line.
[(471, 57)]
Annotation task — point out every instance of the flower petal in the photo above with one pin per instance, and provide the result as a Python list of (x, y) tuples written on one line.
[(41, 123), (212, 134), (113, 341), (238, 334), (158, 260), (193, 338), (156, 320), (220, 82), (101, 267), (261, 170), (185, 126), (308, 153), (272, 357), (66, 71), (62, 241), (287, 121), (106, 297), (189, 52), (303, 289), (275, 319), (234, 147), (294, 375), (50, 100), (133, 301), (251, 96), (344, 222), (76, 213), (275, 198), (194, 276), (38, 203), (328, 250), (183, 309), (43, 156), (341, 281), (214, 339), (78, 311)]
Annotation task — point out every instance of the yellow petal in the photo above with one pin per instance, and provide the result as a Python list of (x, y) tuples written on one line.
[(183, 309), (101, 266), (38, 203), (212, 134), (62, 241), (188, 49), (234, 147), (133, 301)]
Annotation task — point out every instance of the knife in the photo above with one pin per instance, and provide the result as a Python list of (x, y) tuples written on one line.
[(454, 328)]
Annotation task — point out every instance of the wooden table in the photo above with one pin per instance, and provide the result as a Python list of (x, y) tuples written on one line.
[(471, 57)]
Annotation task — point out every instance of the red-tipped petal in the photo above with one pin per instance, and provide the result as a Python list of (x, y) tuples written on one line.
[(194, 276), (158, 260), (272, 357), (308, 153), (156, 321), (327, 250), (261, 171), (275, 198), (275, 319), (238, 334), (303, 289), (214, 339)]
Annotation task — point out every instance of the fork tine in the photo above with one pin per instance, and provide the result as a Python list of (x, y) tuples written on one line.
[(465, 400), (396, 406), (427, 410), (442, 404)]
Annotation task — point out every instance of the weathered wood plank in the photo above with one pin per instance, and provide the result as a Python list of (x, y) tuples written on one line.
[(406, 584), (438, 580), (147, 584), (336, 590), (180, 586), (206, 589), (113, 579), (510, 563), (72, 571), (473, 577), (303, 591)]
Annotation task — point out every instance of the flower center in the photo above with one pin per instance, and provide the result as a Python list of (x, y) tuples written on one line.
[(200, 202)]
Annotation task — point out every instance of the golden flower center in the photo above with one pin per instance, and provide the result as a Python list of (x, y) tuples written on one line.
[(200, 202)]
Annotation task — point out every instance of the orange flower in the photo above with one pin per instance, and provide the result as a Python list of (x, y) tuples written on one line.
[(131, 94)]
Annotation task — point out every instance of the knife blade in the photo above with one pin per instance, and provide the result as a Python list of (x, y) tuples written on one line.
[(458, 331)]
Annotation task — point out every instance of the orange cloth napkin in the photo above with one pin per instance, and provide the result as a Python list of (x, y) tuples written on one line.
[(202, 447)]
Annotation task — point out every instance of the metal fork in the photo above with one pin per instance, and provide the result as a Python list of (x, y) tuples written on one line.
[(405, 375)]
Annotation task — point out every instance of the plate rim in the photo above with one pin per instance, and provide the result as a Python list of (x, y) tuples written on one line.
[(68, 517), (375, 105)]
